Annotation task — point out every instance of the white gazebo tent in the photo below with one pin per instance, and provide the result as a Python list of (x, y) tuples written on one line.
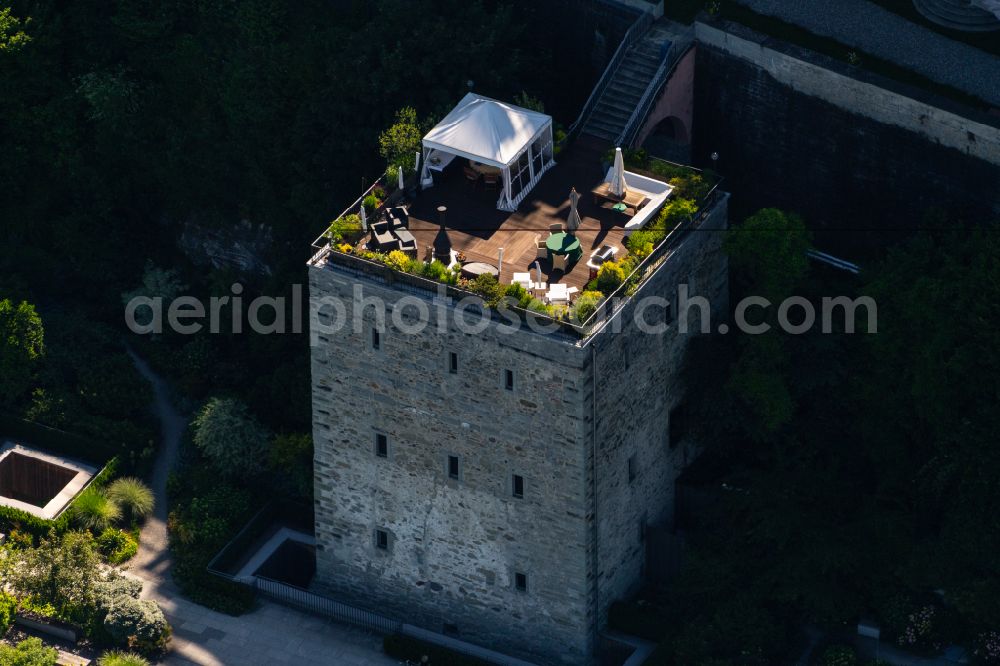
[(515, 140)]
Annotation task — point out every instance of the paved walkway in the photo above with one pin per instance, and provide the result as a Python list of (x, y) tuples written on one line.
[(882, 33), (271, 634)]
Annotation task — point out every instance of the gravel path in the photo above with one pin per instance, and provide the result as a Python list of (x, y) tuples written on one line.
[(152, 563), (271, 634), (870, 28)]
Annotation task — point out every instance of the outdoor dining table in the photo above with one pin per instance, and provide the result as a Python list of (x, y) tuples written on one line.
[(564, 243), (477, 268)]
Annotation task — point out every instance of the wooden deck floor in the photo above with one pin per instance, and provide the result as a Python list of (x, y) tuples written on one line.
[(479, 230)]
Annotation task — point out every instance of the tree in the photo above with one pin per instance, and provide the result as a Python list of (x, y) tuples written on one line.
[(12, 37), (133, 496), (400, 143), (22, 343), (61, 571), (768, 251), (231, 438)]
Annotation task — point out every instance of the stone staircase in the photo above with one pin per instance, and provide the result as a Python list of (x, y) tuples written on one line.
[(615, 106), (958, 15)]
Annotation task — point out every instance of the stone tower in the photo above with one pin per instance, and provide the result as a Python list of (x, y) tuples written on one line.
[(493, 483)]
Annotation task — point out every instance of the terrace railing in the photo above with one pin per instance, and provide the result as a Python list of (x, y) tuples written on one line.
[(316, 603), (621, 296), (636, 31)]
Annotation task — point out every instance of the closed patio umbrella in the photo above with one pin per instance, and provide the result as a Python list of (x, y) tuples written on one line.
[(573, 222), (618, 175), (401, 186), (364, 218)]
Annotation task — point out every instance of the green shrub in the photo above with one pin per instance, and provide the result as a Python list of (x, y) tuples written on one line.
[(690, 186), (117, 545), (30, 652), (94, 511), (370, 203), (138, 624), (399, 646), (610, 276), (119, 658), (641, 243), (347, 228), (18, 540), (489, 288), (231, 438), (586, 304), (838, 655), (397, 260), (435, 270), (8, 605), (115, 586), (133, 496)]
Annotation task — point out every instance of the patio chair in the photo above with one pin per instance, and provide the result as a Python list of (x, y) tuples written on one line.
[(383, 236), (560, 262), (541, 249), (407, 242), (471, 175), (523, 279), (491, 180), (556, 228), (558, 293)]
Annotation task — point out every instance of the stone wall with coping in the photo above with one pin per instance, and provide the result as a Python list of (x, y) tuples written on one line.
[(861, 158)]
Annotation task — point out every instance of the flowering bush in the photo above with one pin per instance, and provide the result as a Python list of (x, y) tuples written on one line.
[(987, 647), (919, 631), (839, 655)]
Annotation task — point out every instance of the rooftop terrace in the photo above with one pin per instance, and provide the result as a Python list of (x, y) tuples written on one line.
[(452, 229)]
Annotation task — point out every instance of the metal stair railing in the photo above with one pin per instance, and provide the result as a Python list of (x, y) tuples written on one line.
[(669, 63), (636, 31)]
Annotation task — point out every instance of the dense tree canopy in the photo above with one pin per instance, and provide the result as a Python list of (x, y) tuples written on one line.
[(876, 486), (22, 342)]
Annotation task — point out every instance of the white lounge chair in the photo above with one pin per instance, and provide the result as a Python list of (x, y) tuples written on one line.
[(523, 279), (558, 293)]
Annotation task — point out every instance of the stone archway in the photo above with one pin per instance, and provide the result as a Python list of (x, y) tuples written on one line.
[(671, 128)]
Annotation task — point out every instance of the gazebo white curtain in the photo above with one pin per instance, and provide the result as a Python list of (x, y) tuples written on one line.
[(515, 140)]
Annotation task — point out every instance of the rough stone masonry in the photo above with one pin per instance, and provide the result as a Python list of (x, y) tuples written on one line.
[(420, 454)]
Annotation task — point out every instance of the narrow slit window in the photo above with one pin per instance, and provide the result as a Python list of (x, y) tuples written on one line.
[(381, 445), (633, 469), (453, 363), (453, 467), (521, 581), (508, 380), (381, 539), (517, 486), (376, 339)]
